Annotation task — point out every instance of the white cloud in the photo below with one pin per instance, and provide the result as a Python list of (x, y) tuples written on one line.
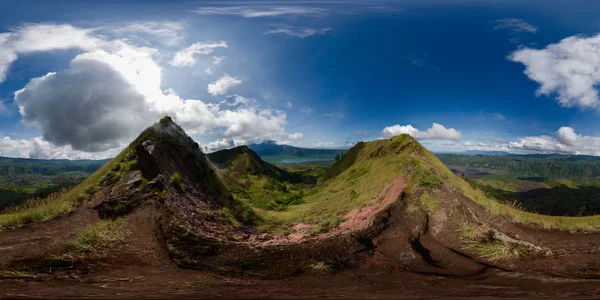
[(208, 71), (498, 117), (261, 11), (103, 119), (306, 110), (324, 144), (218, 145), (41, 149), (112, 91), (186, 57), (568, 69), (43, 37), (566, 141), (436, 132), (289, 104), (217, 60), (4, 110), (167, 32), (221, 85), (240, 100), (296, 136), (517, 25), (298, 32)]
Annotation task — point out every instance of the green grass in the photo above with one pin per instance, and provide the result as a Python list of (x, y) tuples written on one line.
[(477, 239), (15, 274), (430, 204), (176, 181), (98, 239), (358, 178), (474, 232), (496, 250), (57, 204)]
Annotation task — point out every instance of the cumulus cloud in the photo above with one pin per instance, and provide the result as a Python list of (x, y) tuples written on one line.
[(217, 60), (40, 149), (436, 132), (296, 136), (4, 110), (298, 32), (221, 85), (42, 37), (208, 71), (218, 145), (187, 57), (567, 69), (261, 11), (513, 24), (566, 141), (84, 106), (167, 32), (97, 120)]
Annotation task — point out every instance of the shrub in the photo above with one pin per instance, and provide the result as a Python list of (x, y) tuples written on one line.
[(328, 224), (99, 238), (176, 181)]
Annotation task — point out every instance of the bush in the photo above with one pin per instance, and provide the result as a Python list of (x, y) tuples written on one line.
[(99, 238), (283, 203), (176, 181)]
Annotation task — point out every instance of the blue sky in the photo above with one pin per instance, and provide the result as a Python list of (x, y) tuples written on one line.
[(81, 79)]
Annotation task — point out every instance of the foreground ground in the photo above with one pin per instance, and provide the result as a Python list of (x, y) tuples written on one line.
[(141, 268), (172, 283)]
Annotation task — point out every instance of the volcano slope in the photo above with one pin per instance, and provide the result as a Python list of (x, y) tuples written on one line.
[(388, 205)]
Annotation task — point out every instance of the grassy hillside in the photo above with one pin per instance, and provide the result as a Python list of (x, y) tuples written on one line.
[(369, 167), (260, 184), (360, 176)]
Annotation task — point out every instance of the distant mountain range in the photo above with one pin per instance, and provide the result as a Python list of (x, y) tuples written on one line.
[(271, 148)]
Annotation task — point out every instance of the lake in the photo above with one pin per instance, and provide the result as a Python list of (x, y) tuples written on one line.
[(288, 159)]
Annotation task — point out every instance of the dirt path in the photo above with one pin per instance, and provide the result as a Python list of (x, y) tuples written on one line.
[(42, 238)]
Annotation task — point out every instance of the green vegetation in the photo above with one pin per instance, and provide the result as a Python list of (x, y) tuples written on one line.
[(514, 214), (496, 250), (429, 203), (57, 204), (536, 165), (98, 239), (328, 224), (552, 197), (478, 239), (15, 274), (359, 177), (176, 181), (23, 179)]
